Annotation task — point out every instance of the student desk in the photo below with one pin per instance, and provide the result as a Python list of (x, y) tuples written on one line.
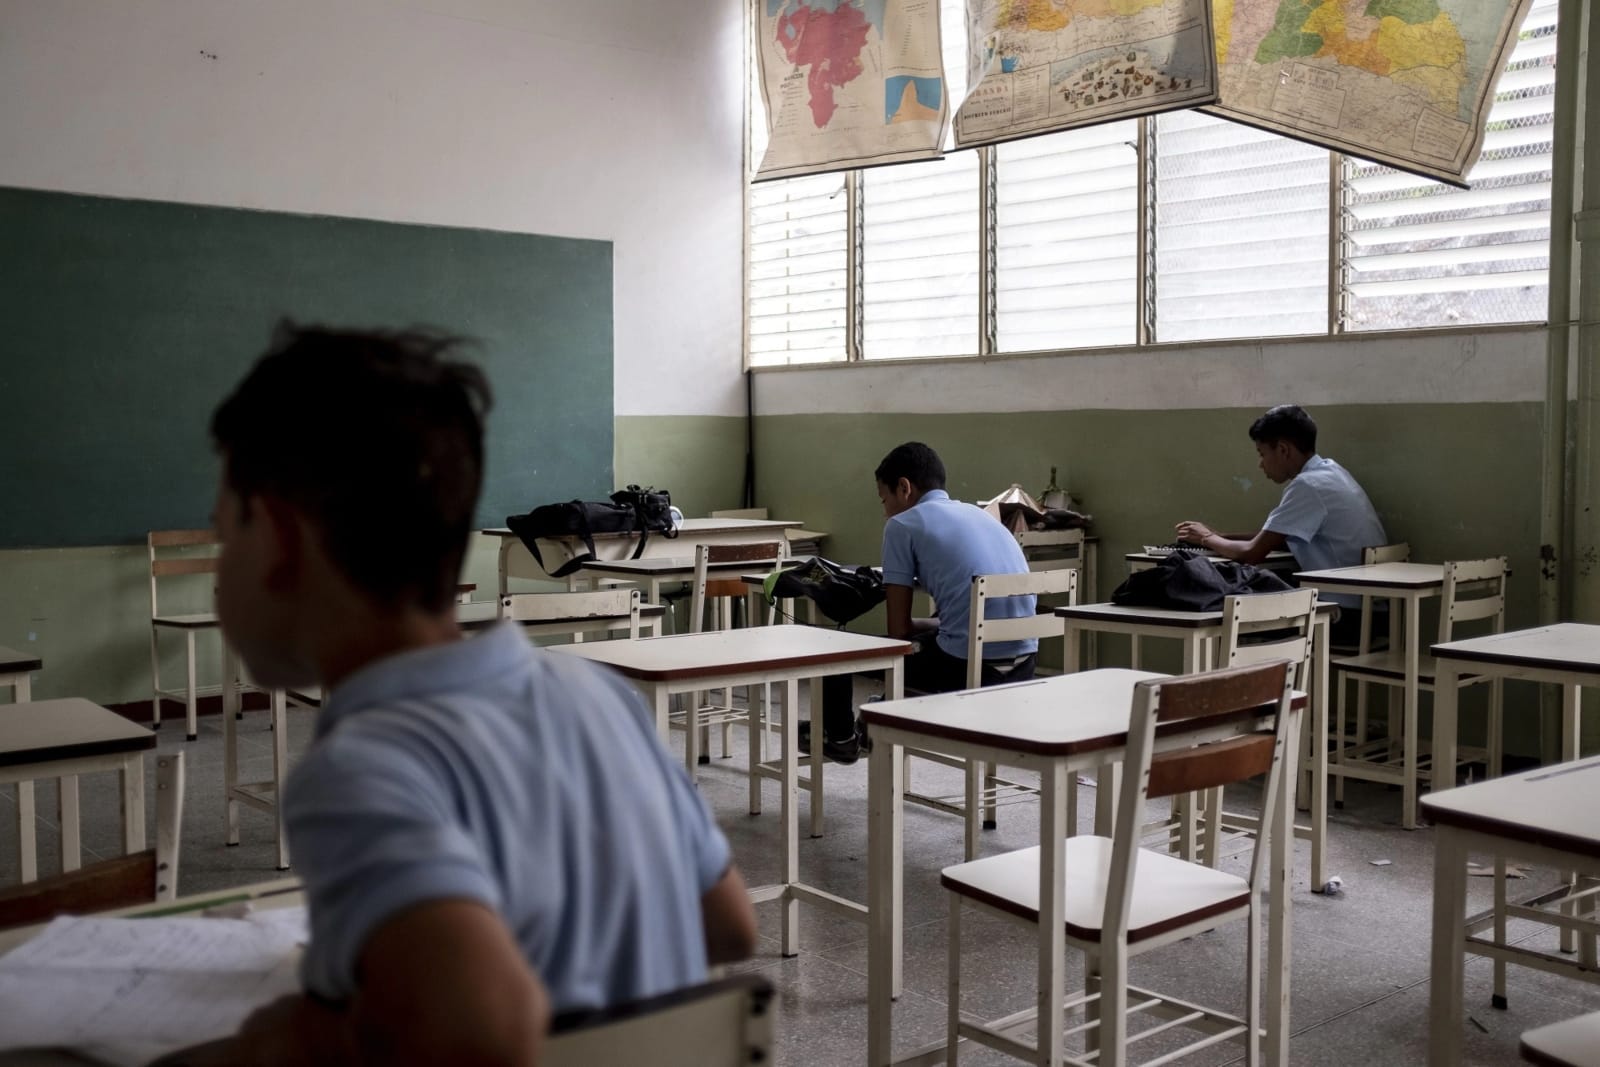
[(1573, 1043), (15, 670), (1200, 631), (1279, 561), (1544, 816), (517, 562), (1056, 726), (1411, 583), (653, 572), (481, 614), (62, 739), (754, 656)]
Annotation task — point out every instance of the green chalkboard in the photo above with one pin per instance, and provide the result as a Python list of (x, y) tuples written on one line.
[(124, 322)]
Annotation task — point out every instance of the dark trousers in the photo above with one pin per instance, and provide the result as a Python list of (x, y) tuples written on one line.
[(930, 669)]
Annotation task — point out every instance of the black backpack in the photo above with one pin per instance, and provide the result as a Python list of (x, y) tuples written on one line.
[(632, 509), (840, 593), (1186, 582)]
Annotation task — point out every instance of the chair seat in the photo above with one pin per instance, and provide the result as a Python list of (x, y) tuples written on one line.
[(1168, 893), (1389, 664), (203, 621)]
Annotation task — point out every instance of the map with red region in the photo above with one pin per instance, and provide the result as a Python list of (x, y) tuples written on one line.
[(828, 40)]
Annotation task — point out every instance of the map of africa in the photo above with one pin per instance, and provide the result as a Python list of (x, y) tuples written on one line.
[(1403, 82), (1042, 65), (849, 83)]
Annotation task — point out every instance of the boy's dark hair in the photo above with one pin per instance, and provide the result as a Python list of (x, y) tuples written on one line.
[(378, 439), (915, 462), (1286, 422)]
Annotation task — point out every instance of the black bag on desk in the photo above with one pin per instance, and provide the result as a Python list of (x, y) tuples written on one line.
[(632, 509), (1185, 582), (840, 593)]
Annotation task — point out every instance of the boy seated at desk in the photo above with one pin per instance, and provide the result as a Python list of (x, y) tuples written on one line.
[(1324, 518), (487, 834), (939, 544)]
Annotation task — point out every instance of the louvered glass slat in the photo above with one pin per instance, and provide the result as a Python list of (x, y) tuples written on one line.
[(1067, 241), (795, 285), (920, 259), (1241, 231), (1420, 253)]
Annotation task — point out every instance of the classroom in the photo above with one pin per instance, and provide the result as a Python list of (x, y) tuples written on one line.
[(1100, 312)]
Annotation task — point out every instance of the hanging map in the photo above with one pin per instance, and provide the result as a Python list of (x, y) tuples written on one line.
[(849, 83), (1041, 65), (1407, 83)]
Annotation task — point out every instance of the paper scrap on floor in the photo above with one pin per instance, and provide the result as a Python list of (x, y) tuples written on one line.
[(124, 991)]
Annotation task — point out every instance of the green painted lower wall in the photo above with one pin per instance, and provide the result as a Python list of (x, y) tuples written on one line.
[(86, 611), (1457, 481)]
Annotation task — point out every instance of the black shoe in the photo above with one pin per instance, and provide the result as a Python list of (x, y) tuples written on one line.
[(841, 752)]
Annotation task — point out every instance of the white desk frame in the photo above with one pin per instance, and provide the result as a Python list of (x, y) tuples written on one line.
[(756, 657), (262, 796), (1090, 730), (1200, 632), (1410, 584), (1543, 816), (18, 675), (128, 764)]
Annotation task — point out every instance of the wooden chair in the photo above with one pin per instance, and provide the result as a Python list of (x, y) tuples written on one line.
[(1474, 590), (723, 1023), (115, 883), (720, 596), (1399, 552), (164, 564), (1570, 1043), (1283, 621), (1122, 900), (618, 606), (985, 791)]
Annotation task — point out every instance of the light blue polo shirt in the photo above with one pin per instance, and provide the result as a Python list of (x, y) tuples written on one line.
[(1327, 520), (533, 782), (941, 544)]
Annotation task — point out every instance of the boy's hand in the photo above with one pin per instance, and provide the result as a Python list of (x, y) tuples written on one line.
[(1194, 532)]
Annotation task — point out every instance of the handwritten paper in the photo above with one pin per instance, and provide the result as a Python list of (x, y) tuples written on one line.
[(127, 990)]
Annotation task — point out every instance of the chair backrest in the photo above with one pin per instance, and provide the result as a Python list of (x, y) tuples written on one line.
[(982, 630), (1284, 621), (166, 564), (725, 1023), (764, 555), (740, 513), (618, 604), (137, 878), (1206, 728), (1400, 552), (1473, 589)]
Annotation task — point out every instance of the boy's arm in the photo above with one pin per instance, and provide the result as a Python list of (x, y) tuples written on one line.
[(729, 919), (1245, 548), (901, 625)]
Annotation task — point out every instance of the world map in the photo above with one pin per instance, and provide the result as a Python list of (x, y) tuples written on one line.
[(1401, 82), (849, 82)]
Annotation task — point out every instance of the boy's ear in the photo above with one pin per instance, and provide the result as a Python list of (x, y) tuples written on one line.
[(286, 542)]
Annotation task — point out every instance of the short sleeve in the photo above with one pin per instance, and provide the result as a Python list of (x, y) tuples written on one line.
[(1300, 514), (371, 836), (899, 555)]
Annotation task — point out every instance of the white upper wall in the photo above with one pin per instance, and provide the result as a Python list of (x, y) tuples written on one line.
[(603, 119)]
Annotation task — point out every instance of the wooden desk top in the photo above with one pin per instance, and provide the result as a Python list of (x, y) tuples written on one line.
[(719, 652), (1163, 617), (12, 661), (1402, 576), (690, 526), (43, 730), (482, 614), (1566, 646), (1549, 806), (1060, 716)]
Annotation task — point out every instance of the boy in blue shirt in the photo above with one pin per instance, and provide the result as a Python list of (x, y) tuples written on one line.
[(940, 545), (487, 834), (1324, 518)]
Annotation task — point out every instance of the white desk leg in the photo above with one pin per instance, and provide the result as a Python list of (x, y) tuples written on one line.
[(885, 872), (1570, 697), (1052, 909), (191, 709), (1449, 931), (133, 803), (1446, 724), (1319, 753), (791, 814), (71, 824), (280, 770), (897, 691), (1279, 901), (230, 744), (814, 717), (27, 832), (1408, 818)]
